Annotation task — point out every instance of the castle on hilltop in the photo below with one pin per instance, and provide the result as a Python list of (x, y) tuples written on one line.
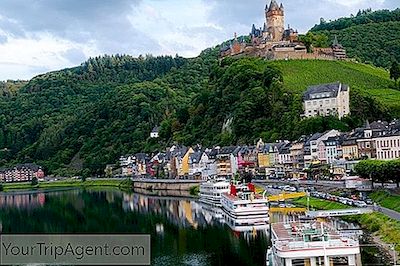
[(274, 42)]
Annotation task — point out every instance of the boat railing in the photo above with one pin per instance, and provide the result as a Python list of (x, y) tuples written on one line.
[(296, 244)]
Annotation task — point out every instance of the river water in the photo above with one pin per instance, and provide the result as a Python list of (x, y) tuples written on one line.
[(183, 232)]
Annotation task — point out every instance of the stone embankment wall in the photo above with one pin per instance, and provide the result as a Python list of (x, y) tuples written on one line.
[(177, 185)]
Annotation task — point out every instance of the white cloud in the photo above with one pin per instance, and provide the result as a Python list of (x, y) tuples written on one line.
[(36, 53), (183, 29), (357, 3)]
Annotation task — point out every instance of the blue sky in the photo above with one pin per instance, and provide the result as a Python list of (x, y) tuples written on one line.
[(37, 36)]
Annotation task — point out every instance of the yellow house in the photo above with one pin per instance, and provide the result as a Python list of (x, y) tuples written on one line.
[(350, 149), (185, 163), (263, 160)]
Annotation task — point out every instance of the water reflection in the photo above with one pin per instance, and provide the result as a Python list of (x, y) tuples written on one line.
[(183, 231), (180, 212), (22, 201)]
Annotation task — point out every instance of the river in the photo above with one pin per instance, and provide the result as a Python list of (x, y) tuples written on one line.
[(183, 232)]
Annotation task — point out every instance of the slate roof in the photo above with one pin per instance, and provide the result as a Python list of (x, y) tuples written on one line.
[(195, 157), (332, 88), (312, 137), (285, 148), (212, 154), (142, 157), (256, 32), (229, 150)]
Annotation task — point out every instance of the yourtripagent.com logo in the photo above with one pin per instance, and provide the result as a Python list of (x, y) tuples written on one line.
[(75, 249)]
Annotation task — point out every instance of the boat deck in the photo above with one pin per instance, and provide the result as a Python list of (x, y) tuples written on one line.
[(296, 231), (314, 235)]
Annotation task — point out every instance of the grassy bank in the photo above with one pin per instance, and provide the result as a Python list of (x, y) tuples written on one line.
[(386, 199), (320, 204), (124, 184), (386, 228)]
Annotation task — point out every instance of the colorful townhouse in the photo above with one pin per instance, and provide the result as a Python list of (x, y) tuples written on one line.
[(202, 165), (365, 138), (284, 167), (128, 165), (350, 148), (388, 145), (297, 156), (183, 163), (227, 163), (21, 173), (333, 149)]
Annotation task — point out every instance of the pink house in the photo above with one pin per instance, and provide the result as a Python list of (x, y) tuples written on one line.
[(322, 152)]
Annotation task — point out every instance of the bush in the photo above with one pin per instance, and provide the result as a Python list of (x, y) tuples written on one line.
[(1, 187), (195, 190), (34, 181)]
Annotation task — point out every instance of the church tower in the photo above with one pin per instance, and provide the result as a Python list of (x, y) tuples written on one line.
[(275, 21)]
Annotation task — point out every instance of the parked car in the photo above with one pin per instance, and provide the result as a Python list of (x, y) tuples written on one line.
[(369, 201), (361, 204)]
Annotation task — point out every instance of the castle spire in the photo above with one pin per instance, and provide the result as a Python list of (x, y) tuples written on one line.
[(273, 5)]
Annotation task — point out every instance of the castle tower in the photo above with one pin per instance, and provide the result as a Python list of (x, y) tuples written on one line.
[(275, 18)]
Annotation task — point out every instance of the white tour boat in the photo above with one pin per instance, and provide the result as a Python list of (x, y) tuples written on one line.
[(211, 191), (244, 210)]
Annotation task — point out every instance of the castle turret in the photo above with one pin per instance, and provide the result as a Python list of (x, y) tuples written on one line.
[(275, 18)]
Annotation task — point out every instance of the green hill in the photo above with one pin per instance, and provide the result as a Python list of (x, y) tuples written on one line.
[(372, 37), (366, 79)]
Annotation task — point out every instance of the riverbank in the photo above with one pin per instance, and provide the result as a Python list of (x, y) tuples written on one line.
[(386, 199), (70, 183), (383, 227), (166, 184)]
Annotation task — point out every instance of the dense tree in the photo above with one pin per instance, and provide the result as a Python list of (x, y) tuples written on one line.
[(371, 37), (362, 17), (379, 171), (395, 71), (311, 40)]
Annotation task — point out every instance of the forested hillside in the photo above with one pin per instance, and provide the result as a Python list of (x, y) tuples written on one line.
[(372, 37), (87, 116), (10, 87), (75, 121)]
